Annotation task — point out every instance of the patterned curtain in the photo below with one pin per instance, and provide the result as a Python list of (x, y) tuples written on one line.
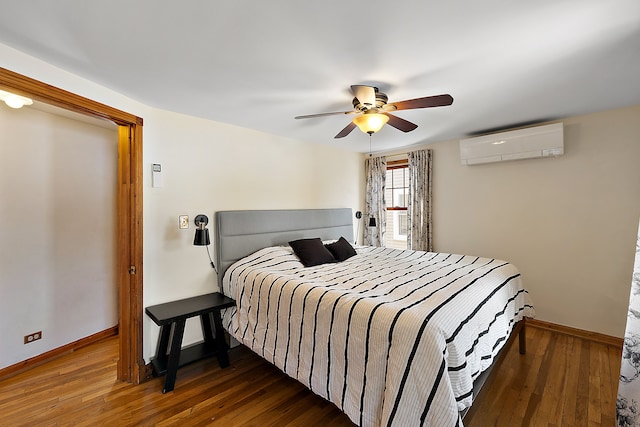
[(628, 403), (375, 204), (419, 221)]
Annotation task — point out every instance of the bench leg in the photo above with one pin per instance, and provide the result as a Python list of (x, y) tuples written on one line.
[(221, 344), (207, 329), (163, 343), (174, 356)]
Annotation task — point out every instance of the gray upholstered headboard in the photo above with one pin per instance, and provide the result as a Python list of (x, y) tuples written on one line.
[(241, 233)]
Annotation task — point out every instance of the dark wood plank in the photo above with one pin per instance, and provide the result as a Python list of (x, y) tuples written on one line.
[(172, 311)]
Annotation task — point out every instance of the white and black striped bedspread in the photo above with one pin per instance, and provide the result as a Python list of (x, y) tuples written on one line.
[(391, 337)]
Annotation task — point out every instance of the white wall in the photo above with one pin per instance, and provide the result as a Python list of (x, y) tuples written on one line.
[(568, 223), (208, 166), (57, 231)]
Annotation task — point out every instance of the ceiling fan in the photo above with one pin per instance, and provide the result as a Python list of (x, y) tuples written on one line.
[(373, 110)]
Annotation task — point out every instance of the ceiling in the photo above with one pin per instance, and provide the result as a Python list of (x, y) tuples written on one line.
[(257, 64)]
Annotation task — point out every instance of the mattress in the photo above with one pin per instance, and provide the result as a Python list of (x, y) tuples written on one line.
[(391, 337)]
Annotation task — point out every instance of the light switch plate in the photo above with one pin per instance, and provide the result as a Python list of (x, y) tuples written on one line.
[(183, 221)]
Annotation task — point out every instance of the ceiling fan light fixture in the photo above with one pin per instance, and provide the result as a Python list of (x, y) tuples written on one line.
[(372, 109), (371, 122)]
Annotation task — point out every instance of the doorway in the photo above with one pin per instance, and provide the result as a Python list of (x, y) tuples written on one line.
[(131, 366)]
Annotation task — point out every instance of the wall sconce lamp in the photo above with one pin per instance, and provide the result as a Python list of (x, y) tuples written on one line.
[(358, 216), (370, 122), (14, 101), (372, 221), (202, 236), (202, 233)]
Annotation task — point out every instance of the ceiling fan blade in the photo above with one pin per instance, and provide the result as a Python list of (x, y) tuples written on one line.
[(365, 94), (426, 102), (335, 113), (346, 131), (400, 124)]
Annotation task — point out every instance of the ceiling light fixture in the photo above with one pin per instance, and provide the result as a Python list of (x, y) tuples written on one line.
[(370, 122), (14, 101)]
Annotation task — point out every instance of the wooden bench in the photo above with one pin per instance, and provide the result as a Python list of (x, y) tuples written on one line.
[(172, 317)]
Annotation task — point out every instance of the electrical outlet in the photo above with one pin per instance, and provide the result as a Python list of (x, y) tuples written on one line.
[(35, 336), (183, 221)]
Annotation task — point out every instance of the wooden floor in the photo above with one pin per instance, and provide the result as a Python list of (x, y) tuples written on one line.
[(561, 381)]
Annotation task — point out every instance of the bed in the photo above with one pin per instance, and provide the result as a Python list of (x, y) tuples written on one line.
[(390, 337)]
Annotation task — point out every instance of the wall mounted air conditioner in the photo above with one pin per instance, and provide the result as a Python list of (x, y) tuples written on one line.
[(527, 143)]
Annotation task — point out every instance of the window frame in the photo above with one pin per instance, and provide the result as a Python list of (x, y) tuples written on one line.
[(398, 164), (393, 213)]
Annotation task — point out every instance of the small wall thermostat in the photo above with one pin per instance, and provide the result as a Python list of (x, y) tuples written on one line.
[(156, 175)]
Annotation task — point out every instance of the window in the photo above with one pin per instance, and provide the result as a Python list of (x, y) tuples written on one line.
[(396, 192)]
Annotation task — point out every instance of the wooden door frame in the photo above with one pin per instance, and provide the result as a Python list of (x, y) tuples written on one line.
[(131, 366)]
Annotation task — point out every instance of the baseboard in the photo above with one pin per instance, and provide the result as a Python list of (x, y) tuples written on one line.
[(146, 372), (579, 333), (32, 362)]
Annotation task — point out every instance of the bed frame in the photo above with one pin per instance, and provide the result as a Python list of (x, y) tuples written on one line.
[(241, 233)]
